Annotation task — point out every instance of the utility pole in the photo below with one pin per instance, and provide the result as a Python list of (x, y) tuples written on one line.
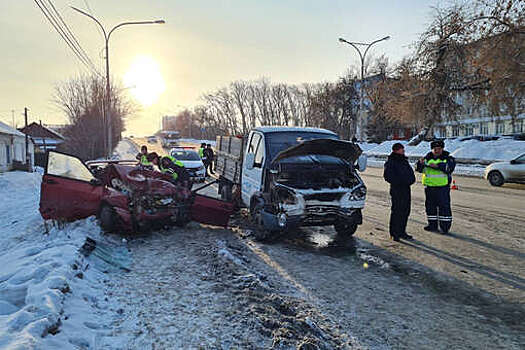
[(13, 118), (27, 139)]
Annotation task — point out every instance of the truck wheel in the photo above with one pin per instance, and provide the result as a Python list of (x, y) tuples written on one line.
[(108, 219), (260, 233), (345, 229), (496, 179)]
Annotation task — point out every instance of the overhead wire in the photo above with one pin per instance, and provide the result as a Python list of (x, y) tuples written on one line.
[(56, 25), (72, 35)]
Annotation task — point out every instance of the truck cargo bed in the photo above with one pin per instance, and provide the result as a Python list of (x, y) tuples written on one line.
[(230, 152)]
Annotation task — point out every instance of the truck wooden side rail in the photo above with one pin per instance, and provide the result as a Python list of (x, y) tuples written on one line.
[(230, 153)]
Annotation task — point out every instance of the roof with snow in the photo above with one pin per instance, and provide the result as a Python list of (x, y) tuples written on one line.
[(6, 129), (37, 130), (268, 129)]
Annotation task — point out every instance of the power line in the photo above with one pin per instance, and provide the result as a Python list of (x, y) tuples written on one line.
[(62, 34), (85, 55)]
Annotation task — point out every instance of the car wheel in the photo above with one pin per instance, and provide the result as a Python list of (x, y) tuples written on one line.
[(107, 218), (496, 179), (345, 229), (260, 233)]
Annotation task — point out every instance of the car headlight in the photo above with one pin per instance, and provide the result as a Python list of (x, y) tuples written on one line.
[(357, 194), (201, 168)]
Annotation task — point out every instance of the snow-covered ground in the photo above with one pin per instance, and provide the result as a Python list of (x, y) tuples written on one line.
[(472, 155), (51, 297)]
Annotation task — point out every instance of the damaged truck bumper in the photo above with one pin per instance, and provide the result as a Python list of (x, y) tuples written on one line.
[(317, 216)]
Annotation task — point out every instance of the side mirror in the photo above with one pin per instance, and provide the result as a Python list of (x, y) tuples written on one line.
[(249, 160), (95, 182), (513, 161), (362, 162)]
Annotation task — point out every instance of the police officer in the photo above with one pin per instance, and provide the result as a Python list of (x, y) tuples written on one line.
[(400, 175), (170, 165), (143, 157), (437, 167)]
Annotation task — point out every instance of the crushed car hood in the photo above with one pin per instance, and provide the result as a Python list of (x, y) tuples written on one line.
[(345, 150)]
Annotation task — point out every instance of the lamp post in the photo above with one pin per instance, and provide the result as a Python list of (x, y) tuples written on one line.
[(362, 55), (107, 35)]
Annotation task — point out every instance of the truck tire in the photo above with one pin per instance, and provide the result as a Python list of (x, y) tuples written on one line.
[(107, 218), (495, 178), (345, 229), (260, 233)]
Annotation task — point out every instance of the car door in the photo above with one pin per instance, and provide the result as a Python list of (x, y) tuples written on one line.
[(517, 169), (252, 174), (69, 191), (211, 211)]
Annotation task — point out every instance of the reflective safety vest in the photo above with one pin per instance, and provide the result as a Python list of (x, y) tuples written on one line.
[(168, 170), (433, 177), (144, 160), (201, 152)]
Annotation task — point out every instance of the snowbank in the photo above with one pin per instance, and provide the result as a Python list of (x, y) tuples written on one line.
[(483, 151), (48, 296), (195, 141)]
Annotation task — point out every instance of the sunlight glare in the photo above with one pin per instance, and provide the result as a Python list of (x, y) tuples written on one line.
[(145, 80)]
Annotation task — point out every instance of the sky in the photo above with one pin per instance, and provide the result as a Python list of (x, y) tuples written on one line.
[(204, 45)]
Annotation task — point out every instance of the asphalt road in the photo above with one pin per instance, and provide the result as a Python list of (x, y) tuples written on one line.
[(486, 245)]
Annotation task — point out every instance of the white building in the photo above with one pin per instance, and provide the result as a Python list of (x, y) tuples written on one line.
[(13, 149)]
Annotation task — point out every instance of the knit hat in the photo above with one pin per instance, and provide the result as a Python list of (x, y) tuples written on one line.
[(437, 143)]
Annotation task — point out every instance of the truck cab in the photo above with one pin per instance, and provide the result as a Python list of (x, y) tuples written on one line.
[(291, 177)]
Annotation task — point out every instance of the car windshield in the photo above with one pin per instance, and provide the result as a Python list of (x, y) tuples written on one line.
[(185, 155), (279, 141)]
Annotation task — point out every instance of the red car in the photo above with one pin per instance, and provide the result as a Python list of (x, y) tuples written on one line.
[(122, 195)]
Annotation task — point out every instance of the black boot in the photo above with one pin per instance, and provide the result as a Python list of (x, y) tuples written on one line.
[(406, 236), (395, 238), (431, 228)]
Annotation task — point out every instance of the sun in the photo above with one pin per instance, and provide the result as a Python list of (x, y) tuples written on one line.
[(145, 80)]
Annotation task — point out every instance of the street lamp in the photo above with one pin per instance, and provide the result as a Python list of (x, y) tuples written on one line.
[(362, 55), (107, 108)]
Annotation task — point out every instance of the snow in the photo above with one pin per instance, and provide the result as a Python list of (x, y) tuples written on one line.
[(125, 150), (471, 155), (6, 129), (49, 295)]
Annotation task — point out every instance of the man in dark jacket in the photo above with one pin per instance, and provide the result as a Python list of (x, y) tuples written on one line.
[(437, 167), (399, 174), (210, 155)]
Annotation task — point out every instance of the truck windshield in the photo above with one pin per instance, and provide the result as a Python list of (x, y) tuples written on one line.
[(279, 141)]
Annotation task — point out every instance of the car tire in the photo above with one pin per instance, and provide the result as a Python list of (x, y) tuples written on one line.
[(345, 229), (495, 178), (260, 233), (107, 218)]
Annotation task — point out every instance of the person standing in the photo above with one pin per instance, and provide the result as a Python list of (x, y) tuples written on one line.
[(210, 155), (400, 175), (437, 168)]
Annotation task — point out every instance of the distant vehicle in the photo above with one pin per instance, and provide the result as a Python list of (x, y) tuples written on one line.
[(123, 196), (192, 162), (152, 139), (169, 138), (501, 172), (290, 177)]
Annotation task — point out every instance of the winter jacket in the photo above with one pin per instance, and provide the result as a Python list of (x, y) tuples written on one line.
[(447, 168), (208, 154), (398, 171)]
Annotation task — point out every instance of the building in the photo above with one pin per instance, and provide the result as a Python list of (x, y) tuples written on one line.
[(169, 122), (13, 149), (44, 138)]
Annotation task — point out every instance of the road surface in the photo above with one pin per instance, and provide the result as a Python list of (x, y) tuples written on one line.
[(204, 287)]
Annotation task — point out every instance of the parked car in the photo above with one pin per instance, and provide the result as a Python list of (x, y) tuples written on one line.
[(510, 171), (122, 196), (192, 162), (290, 177), (152, 139)]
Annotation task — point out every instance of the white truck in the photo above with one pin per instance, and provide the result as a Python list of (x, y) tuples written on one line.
[(290, 177)]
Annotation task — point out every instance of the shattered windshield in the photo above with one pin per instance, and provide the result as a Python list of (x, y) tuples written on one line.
[(279, 141)]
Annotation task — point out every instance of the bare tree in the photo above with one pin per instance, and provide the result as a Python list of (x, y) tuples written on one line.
[(82, 101)]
